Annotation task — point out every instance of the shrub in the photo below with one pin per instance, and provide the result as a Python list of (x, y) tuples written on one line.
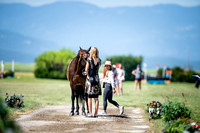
[(53, 64), (179, 75), (9, 73), (174, 110), (128, 62), (181, 125), (7, 125), (154, 109), (14, 101)]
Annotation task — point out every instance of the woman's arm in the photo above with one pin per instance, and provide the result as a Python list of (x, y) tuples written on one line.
[(133, 72), (86, 69)]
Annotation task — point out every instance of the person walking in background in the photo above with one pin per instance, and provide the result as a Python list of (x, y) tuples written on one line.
[(138, 77), (108, 79), (120, 77), (93, 86)]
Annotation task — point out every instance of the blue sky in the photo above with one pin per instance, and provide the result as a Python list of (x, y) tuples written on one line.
[(150, 31), (111, 3)]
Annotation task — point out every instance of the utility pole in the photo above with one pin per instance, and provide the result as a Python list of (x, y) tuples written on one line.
[(188, 65)]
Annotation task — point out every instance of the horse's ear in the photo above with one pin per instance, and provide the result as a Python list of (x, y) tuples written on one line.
[(80, 48), (88, 49)]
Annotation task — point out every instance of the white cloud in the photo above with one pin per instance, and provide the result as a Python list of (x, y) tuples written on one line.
[(111, 3), (27, 42), (187, 28)]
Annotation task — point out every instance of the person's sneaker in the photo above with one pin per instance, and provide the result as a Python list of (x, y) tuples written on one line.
[(104, 113), (121, 110)]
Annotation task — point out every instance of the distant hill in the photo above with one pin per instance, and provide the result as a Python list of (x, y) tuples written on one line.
[(22, 48), (166, 31)]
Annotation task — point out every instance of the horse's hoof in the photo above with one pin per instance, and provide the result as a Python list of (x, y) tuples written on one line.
[(77, 113), (71, 114), (83, 113)]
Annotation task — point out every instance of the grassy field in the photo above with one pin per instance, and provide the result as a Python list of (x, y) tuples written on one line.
[(19, 67), (41, 92)]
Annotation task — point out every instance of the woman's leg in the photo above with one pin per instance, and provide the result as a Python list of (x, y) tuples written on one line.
[(96, 106), (105, 97), (140, 87), (110, 95), (120, 88), (90, 105), (117, 89), (135, 87)]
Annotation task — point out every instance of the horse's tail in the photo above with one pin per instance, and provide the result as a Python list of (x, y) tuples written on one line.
[(68, 69), (68, 77)]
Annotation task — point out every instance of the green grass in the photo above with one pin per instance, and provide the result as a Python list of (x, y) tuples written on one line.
[(19, 67), (41, 92)]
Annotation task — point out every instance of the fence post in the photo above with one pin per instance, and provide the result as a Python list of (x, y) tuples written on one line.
[(145, 71), (13, 66), (2, 69)]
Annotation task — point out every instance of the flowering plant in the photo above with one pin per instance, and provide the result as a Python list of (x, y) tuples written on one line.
[(14, 101), (154, 109), (181, 125)]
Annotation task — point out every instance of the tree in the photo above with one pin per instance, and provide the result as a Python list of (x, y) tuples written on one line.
[(53, 64), (128, 62)]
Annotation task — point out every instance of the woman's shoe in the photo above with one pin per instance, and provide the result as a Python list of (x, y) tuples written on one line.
[(104, 113), (89, 116), (121, 110), (95, 116)]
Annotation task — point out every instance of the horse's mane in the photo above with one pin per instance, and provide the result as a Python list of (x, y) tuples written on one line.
[(77, 61)]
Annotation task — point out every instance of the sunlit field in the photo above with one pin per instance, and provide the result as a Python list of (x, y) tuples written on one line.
[(41, 92)]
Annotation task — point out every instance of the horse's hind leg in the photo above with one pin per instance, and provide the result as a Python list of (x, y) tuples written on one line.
[(83, 105), (72, 109), (77, 106)]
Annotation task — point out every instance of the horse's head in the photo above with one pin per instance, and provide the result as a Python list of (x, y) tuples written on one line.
[(82, 57), (84, 53)]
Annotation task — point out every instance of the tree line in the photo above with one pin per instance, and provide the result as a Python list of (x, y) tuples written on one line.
[(53, 65)]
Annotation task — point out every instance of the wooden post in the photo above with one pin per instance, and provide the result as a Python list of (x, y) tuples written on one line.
[(13, 66), (2, 69)]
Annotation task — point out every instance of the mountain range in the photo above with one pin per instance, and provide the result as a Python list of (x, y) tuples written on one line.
[(162, 34)]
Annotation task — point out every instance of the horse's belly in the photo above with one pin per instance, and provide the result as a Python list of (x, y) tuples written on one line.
[(79, 80)]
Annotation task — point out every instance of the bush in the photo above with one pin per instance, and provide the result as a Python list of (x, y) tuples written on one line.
[(53, 64), (174, 110), (179, 75), (14, 101), (154, 109), (128, 62), (7, 125), (181, 125)]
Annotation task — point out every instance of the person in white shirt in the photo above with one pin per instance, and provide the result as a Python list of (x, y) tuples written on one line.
[(120, 77), (109, 88)]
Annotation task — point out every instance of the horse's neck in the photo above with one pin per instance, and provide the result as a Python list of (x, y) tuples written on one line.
[(78, 65)]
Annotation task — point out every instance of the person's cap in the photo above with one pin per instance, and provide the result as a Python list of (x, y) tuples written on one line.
[(138, 65), (107, 63)]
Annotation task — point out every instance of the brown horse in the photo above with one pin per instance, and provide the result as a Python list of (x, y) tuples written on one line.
[(77, 80)]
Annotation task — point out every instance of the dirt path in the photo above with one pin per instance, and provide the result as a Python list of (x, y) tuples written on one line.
[(56, 119)]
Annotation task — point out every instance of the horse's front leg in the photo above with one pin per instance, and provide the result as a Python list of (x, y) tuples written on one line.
[(83, 104), (77, 106), (72, 109), (83, 107)]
